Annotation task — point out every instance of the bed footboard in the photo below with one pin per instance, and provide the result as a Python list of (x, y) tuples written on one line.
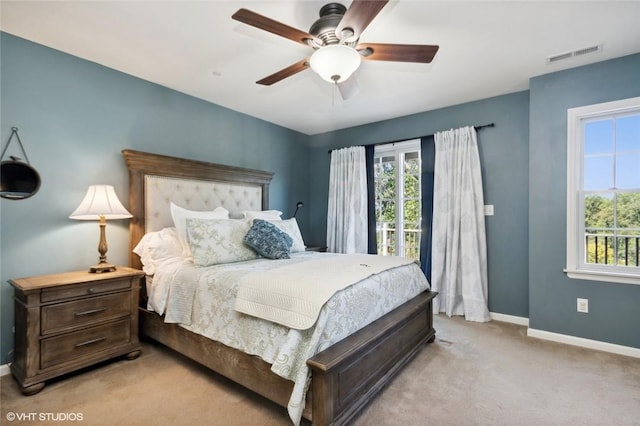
[(346, 376)]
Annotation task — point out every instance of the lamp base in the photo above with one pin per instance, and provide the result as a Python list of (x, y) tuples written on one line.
[(102, 267)]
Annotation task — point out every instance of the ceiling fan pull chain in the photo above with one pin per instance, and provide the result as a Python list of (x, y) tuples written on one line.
[(334, 89)]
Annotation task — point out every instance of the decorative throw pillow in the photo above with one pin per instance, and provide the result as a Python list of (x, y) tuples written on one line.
[(269, 241), (180, 216), (216, 241), (250, 215), (290, 226)]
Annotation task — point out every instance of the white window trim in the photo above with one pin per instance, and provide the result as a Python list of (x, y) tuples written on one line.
[(410, 145), (575, 267), (399, 149)]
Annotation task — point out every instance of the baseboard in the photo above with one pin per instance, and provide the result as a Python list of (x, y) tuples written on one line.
[(510, 318), (4, 369), (584, 343)]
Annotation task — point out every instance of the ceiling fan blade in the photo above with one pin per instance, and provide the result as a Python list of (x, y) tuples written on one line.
[(358, 17), (349, 88), (267, 24), (422, 53), (285, 72)]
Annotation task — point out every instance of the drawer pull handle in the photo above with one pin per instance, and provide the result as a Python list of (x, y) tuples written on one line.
[(92, 311), (91, 290), (90, 342)]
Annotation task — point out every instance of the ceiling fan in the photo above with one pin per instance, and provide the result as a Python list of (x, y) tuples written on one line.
[(335, 38)]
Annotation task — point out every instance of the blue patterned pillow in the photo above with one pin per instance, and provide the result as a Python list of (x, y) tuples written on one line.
[(269, 241)]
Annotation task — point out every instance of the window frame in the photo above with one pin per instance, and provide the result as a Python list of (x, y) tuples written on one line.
[(399, 150), (576, 267)]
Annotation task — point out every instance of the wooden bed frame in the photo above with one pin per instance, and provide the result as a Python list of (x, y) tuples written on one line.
[(345, 376)]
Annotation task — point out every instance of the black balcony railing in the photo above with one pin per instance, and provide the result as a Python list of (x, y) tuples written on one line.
[(612, 249)]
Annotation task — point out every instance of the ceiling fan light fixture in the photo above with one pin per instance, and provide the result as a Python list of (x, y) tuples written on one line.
[(335, 63)]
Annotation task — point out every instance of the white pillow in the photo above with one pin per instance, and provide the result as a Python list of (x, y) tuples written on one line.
[(180, 216), (290, 227), (263, 214), (215, 241), (157, 247)]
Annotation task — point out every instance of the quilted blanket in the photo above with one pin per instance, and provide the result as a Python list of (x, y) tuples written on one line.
[(294, 294)]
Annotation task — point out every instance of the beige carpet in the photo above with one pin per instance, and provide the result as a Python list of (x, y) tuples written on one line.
[(474, 374)]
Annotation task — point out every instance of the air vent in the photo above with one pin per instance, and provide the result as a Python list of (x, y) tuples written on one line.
[(586, 50), (579, 52)]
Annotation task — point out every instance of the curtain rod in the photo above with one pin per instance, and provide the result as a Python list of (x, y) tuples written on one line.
[(483, 126)]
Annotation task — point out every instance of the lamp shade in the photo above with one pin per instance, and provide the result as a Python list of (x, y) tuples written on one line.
[(100, 200), (335, 63)]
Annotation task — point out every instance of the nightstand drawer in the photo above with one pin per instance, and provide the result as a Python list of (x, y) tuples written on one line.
[(56, 350), (65, 316), (78, 290)]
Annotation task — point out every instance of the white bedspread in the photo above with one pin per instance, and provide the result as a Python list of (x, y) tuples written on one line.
[(292, 295), (286, 349)]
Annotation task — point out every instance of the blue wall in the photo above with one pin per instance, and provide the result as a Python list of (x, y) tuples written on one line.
[(74, 118), (505, 160), (614, 309)]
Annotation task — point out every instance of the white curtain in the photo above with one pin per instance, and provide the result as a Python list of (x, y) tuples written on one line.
[(347, 212), (459, 248)]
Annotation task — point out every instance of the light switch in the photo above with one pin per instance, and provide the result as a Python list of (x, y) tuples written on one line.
[(488, 210)]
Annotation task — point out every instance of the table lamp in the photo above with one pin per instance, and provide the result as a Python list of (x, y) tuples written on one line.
[(101, 203)]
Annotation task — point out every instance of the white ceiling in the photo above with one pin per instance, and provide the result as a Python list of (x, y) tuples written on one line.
[(486, 49)]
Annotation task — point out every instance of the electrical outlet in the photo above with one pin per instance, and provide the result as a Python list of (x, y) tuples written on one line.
[(583, 305)]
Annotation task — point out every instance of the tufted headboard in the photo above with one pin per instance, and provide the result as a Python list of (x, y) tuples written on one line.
[(157, 180)]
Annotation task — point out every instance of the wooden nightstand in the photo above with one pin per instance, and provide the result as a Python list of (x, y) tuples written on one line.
[(317, 248), (68, 321)]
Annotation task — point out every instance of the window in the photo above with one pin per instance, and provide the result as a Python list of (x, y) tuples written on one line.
[(603, 192), (397, 172)]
